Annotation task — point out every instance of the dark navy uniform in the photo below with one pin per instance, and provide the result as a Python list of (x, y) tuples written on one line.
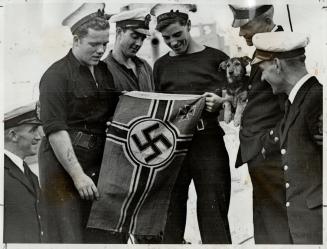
[(72, 100), (24, 211), (261, 115), (301, 156), (302, 164)]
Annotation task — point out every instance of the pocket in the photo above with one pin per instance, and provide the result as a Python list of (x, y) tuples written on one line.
[(314, 200), (84, 98)]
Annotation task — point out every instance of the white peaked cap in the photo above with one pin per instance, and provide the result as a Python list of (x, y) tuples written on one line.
[(271, 45)]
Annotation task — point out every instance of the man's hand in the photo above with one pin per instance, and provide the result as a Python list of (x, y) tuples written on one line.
[(213, 102), (63, 149), (86, 187)]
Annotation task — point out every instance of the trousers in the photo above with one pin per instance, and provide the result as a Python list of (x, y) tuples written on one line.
[(207, 163), (269, 211), (67, 212)]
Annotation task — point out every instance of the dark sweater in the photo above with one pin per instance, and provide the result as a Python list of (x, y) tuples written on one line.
[(194, 73)]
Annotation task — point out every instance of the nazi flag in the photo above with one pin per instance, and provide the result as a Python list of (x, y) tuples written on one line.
[(147, 141)]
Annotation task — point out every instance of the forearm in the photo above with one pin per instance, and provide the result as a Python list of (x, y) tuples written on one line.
[(63, 149)]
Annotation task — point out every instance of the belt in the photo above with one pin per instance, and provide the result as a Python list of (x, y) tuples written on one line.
[(204, 123), (84, 140)]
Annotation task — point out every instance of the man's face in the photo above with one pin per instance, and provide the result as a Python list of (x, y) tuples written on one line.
[(27, 139), (89, 49), (177, 37), (271, 75), (130, 42), (251, 28)]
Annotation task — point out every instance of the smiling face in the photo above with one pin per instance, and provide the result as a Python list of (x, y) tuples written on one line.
[(129, 42), (177, 37), (27, 138), (90, 48)]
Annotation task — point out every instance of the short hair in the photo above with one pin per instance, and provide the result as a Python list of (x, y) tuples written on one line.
[(295, 62), (7, 132), (165, 23), (96, 23)]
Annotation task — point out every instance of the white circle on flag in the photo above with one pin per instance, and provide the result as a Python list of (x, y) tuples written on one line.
[(151, 142)]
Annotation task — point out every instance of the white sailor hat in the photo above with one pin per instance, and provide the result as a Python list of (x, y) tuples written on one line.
[(281, 45), (83, 14), (26, 114), (171, 11), (245, 13), (136, 19)]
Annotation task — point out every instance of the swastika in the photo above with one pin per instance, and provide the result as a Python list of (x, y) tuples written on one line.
[(151, 142)]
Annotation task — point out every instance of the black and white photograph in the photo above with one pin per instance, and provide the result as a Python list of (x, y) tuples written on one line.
[(163, 124)]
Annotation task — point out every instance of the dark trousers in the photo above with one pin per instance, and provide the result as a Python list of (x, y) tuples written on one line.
[(67, 212), (269, 198), (207, 163)]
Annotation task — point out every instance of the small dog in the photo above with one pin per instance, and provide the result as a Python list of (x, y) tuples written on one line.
[(236, 88)]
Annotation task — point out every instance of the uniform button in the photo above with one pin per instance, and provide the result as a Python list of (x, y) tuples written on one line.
[(287, 185), (288, 204), (285, 167), (39, 216), (276, 139), (250, 86), (271, 132), (283, 151), (41, 233)]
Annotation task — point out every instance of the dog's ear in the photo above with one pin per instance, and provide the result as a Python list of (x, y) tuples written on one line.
[(246, 60), (223, 65)]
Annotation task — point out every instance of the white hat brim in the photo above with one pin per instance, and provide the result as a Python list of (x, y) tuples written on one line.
[(256, 61), (142, 31)]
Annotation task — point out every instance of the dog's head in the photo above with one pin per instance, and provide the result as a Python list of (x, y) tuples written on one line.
[(235, 68)]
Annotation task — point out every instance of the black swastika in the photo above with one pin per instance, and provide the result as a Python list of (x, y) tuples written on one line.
[(151, 142)]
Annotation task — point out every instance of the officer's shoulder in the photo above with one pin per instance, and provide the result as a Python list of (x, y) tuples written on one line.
[(315, 91)]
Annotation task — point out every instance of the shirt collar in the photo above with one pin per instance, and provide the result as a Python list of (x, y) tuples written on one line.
[(297, 87), (16, 159), (135, 59), (74, 60)]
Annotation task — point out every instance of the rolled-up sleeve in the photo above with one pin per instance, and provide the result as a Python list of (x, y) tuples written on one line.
[(53, 104)]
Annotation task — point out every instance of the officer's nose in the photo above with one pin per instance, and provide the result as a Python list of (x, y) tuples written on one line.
[(37, 134)]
